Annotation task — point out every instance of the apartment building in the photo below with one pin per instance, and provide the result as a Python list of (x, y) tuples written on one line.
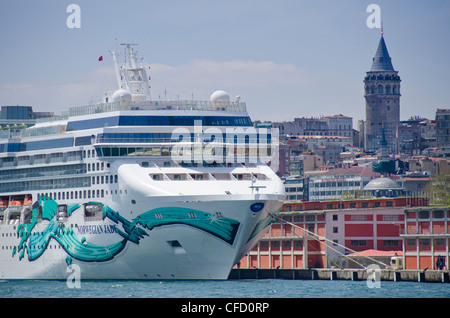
[(320, 234), (426, 238)]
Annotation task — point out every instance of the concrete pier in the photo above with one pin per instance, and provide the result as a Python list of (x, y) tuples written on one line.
[(340, 274)]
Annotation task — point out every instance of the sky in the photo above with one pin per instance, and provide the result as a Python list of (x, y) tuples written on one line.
[(284, 58)]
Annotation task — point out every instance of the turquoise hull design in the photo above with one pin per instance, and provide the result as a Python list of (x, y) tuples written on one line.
[(35, 243)]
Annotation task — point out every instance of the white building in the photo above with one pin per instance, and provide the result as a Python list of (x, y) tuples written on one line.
[(340, 183)]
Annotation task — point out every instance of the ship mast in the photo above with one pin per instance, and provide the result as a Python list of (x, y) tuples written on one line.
[(132, 75)]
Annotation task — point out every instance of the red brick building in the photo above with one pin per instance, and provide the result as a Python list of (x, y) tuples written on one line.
[(318, 234), (426, 238)]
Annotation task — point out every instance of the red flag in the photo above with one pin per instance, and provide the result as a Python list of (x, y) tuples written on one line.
[(100, 58)]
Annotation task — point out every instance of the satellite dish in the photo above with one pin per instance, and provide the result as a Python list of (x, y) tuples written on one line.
[(220, 99), (121, 95)]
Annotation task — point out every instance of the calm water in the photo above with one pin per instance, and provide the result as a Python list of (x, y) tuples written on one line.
[(269, 288)]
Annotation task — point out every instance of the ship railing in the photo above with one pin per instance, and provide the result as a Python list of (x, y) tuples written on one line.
[(157, 105), (115, 140)]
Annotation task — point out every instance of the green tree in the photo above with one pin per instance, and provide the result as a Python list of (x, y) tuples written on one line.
[(439, 186)]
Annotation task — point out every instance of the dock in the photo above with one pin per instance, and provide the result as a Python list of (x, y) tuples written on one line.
[(432, 276)]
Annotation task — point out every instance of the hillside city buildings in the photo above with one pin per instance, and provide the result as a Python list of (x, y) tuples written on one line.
[(358, 193)]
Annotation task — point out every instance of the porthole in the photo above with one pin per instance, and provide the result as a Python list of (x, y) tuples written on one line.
[(256, 207)]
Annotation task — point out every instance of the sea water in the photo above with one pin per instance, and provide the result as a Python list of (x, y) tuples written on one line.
[(265, 288)]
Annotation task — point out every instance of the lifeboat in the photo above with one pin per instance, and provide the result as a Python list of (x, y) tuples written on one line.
[(3, 203), (27, 200), (15, 202)]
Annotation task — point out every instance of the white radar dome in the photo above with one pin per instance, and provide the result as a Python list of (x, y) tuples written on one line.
[(121, 95), (220, 99)]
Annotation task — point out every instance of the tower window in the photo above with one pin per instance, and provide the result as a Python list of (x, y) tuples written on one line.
[(380, 89)]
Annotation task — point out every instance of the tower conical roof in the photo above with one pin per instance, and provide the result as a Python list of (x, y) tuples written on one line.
[(382, 60)]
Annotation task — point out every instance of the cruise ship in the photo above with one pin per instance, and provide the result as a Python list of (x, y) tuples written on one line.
[(133, 188)]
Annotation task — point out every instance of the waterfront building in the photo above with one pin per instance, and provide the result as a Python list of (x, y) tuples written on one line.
[(321, 234), (426, 237), (341, 183), (286, 246), (296, 188)]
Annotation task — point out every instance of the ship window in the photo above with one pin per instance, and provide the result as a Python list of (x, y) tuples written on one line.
[(107, 151), (243, 176), (46, 144), (122, 152), (177, 176), (222, 176), (157, 121), (157, 176)]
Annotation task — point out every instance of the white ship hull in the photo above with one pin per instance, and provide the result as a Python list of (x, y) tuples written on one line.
[(159, 237), (132, 188)]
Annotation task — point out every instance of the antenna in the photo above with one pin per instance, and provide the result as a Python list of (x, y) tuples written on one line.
[(132, 76), (117, 69)]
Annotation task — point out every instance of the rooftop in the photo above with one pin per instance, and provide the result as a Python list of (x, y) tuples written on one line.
[(382, 60), (353, 170), (382, 184)]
